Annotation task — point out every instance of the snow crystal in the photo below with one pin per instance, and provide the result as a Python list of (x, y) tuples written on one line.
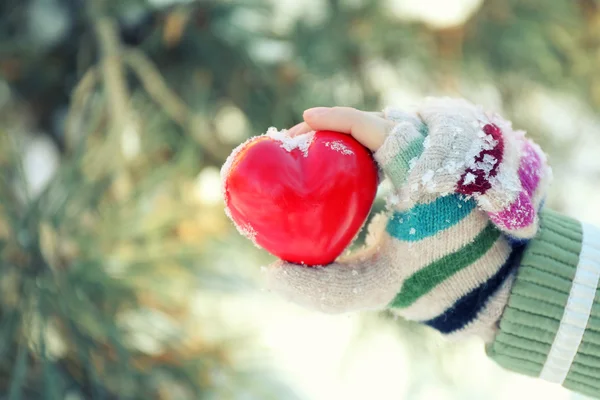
[(484, 203), (469, 178), (340, 147), (490, 142), (427, 177), (412, 163), (489, 159), (354, 272), (226, 168), (247, 231), (355, 290), (393, 200), (485, 167), (427, 142), (452, 166), (428, 182), (412, 231), (484, 143), (300, 142)]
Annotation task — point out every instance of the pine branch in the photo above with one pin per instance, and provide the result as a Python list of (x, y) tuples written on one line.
[(113, 76), (74, 123), (156, 87)]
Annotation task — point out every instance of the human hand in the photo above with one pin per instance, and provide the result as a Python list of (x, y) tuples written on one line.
[(443, 255)]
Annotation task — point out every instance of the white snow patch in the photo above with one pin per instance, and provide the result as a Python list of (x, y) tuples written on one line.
[(489, 159), (300, 142), (248, 232), (412, 163), (427, 142), (226, 168), (340, 147), (469, 178), (427, 177)]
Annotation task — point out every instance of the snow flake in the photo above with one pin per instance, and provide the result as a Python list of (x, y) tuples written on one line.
[(340, 147), (247, 231), (485, 203), (226, 168), (289, 143), (412, 231), (427, 142), (427, 177), (489, 159), (412, 163), (490, 142), (469, 178), (354, 272), (452, 166)]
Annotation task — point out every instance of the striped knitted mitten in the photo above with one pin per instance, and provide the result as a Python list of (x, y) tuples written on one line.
[(467, 190)]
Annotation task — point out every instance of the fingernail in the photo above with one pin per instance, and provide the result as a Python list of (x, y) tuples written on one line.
[(313, 112)]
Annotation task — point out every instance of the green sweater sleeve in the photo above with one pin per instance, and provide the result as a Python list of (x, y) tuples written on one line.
[(551, 326)]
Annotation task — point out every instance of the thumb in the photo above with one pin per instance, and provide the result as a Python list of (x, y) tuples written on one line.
[(370, 129), (363, 281)]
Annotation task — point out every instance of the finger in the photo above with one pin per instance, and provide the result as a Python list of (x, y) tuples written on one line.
[(299, 129), (368, 128)]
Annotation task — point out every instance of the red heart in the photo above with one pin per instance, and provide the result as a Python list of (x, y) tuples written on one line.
[(302, 199)]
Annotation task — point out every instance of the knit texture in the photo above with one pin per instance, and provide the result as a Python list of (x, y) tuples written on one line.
[(554, 309), (436, 256), (469, 151), (455, 279)]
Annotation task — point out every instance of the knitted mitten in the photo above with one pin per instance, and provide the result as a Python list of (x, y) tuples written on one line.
[(467, 190)]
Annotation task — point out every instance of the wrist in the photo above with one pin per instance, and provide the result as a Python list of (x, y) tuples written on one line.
[(551, 319)]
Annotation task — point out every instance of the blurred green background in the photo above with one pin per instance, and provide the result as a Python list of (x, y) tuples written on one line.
[(121, 277)]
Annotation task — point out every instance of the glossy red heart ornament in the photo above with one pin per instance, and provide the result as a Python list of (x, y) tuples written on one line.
[(303, 199)]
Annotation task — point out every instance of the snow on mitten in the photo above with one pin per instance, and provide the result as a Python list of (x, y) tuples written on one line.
[(478, 154), (435, 257)]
